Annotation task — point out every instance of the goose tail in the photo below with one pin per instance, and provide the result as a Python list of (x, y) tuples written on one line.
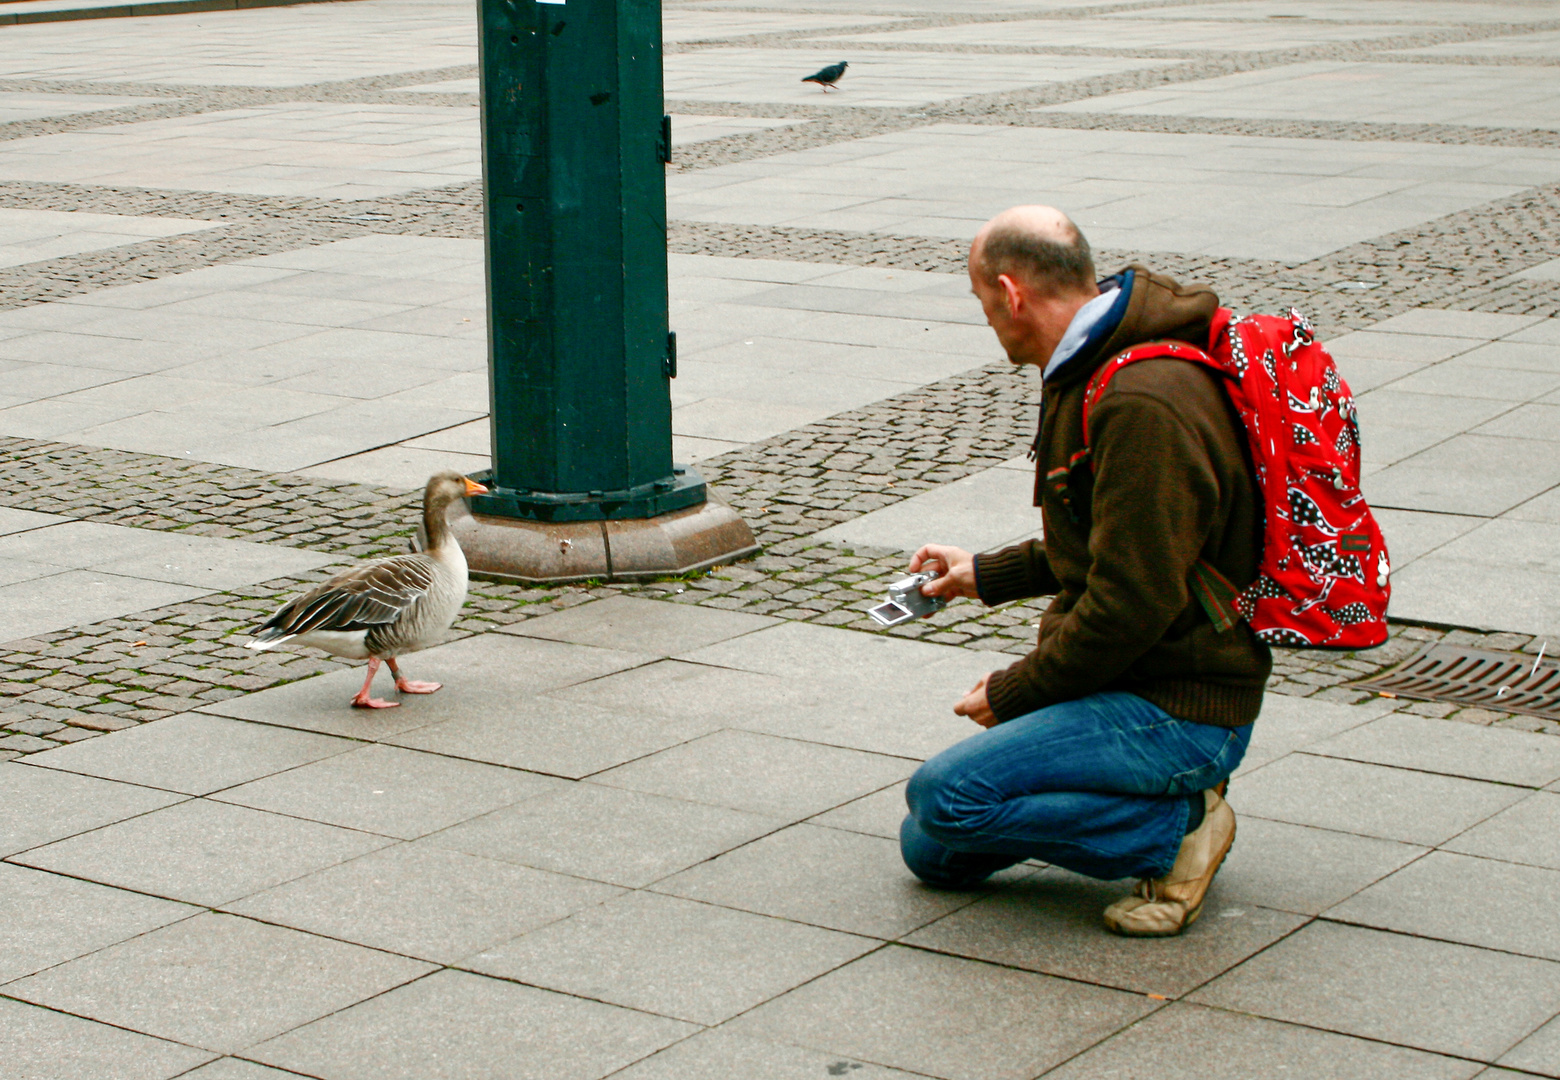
[(269, 637)]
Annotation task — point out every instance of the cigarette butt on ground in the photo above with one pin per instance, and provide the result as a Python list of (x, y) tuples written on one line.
[(1387, 695), (1157, 997)]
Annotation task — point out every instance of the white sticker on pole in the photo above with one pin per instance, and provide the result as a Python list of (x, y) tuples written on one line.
[(549, 1)]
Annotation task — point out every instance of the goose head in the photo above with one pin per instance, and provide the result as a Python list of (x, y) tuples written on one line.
[(443, 489)]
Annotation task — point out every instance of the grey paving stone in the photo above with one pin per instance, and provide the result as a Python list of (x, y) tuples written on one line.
[(217, 981), (1484, 902), (1429, 745), (424, 901), (202, 852), (50, 918), (942, 1015), (780, 778), (230, 1068), (180, 558), (642, 626), (1538, 1053), (38, 806), (454, 1025), (1370, 800), (825, 877), (482, 676), (1527, 832), (1288, 723), (1188, 1042), (878, 814), (1305, 870), (672, 957), (40, 1044), (620, 837), (1051, 922), (560, 735), (1433, 995), (79, 598), (1465, 324), (688, 693), (15, 521), (716, 1055), (391, 791), (193, 753)]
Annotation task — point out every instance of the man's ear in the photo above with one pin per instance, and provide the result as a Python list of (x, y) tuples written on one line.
[(1013, 293)]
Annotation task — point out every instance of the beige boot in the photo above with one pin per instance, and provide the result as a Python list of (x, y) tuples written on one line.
[(1163, 907)]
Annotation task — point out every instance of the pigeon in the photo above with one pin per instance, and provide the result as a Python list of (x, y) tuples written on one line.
[(829, 75)]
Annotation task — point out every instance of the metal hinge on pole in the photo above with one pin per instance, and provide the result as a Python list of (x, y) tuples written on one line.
[(663, 145), (669, 365)]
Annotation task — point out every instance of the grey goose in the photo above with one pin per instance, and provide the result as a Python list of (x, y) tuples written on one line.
[(387, 608)]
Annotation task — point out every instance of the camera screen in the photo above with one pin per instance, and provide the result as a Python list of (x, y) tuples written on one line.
[(891, 614)]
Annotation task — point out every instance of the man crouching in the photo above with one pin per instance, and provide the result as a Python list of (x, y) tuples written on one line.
[(1107, 747)]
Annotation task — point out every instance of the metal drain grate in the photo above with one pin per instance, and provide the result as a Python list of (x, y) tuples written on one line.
[(1501, 681)]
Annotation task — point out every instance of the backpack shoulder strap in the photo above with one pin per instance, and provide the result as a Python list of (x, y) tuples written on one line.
[(1153, 350)]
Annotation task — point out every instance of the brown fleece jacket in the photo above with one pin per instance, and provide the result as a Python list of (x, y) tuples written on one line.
[(1169, 482)]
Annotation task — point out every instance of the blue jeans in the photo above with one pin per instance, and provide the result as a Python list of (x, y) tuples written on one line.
[(1097, 786)]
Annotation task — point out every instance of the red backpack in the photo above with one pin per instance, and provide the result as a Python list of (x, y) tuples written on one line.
[(1322, 580)]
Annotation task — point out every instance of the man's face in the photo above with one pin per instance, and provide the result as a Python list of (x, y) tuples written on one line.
[(994, 302)]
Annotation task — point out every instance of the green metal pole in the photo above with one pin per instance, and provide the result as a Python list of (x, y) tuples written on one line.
[(574, 145)]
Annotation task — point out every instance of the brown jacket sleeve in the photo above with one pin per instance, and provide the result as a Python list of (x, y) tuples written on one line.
[(1156, 495), (1014, 573)]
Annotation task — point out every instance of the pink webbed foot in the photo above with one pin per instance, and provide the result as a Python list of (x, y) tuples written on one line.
[(407, 686), (363, 701)]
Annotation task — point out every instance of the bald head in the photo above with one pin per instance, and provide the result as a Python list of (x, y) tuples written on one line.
[(1037, 244)]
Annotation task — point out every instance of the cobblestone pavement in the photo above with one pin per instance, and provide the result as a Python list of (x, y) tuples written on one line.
[(68, 684)]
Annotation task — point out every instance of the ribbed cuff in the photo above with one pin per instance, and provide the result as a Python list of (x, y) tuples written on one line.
[(1001, 576), (1005, 693)]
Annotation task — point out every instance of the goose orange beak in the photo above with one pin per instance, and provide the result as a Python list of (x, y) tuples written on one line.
[(473, 488)]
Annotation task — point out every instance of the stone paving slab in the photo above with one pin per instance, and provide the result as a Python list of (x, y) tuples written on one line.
[(389, 791), (795, 874), (423, 901), (619, 837), (454, 1023), (1373, 985), (714, 1055), (1049, 922), (1496, 905), (42, 1042), (1383, 93), (523, 665), (671, 957), (1371, 800), (194, 754), (950, 1017), (1422, 744), (51, 919), (763, 76), (1189, 1042), (201, 852), (41, 805), (258, 47), (217, 982), (1523, 833)]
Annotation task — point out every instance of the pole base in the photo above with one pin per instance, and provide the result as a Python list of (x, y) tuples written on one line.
[(538, 552)]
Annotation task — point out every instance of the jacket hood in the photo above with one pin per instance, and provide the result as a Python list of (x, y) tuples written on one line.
[(1157, 308)]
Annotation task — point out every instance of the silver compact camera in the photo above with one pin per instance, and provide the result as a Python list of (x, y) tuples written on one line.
[(906, 601)]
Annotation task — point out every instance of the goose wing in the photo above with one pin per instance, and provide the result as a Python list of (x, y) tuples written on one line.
[(358, 599)]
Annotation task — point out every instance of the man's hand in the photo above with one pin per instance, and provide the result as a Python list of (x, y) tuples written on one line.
[(955, 568), (976, 707)]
